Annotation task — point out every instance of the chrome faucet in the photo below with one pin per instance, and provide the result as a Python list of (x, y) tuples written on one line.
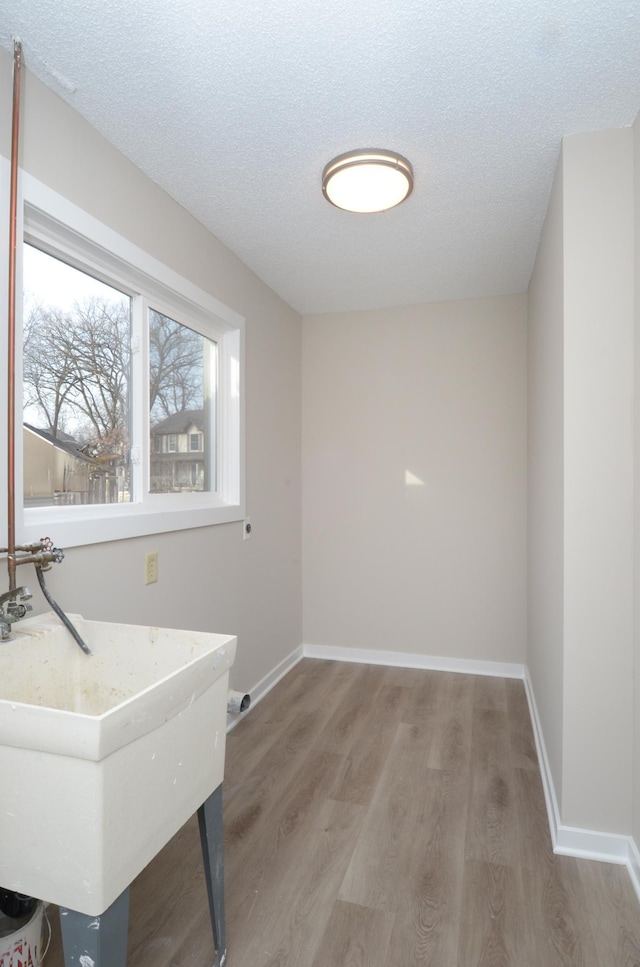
[(12, 608)]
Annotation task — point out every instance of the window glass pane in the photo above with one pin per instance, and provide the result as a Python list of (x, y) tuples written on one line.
[(76, 385), (182, 395)]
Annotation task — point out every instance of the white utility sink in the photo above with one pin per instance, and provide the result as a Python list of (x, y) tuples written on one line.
[(103, 758)]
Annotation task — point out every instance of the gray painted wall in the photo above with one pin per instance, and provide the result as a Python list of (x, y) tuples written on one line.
[(581, 314), (545, 355), (414, 479)]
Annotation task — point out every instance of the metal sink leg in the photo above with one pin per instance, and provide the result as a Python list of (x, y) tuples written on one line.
[(96, 941), (210, 821)]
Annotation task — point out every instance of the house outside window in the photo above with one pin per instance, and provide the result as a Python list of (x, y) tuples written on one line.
[(173, 468)]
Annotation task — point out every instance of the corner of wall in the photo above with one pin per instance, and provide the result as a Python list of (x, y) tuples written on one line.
[(569, 840)]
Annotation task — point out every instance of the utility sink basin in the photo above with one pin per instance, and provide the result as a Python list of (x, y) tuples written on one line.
[(103, 757)]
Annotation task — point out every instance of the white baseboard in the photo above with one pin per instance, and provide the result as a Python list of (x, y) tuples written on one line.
[(401, 659), (264, 686), (572, 841), (634, 867), (591, 845), (553, 813)]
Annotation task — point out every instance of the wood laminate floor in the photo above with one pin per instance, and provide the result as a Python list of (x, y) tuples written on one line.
[(383, 817)]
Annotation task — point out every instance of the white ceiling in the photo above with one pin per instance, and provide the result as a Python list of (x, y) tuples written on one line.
[(235, 106)]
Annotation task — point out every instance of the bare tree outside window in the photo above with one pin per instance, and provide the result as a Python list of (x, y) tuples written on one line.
[(176, 379), (76, 376)]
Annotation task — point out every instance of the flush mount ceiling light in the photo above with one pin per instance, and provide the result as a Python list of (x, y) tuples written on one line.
[(367, 180)]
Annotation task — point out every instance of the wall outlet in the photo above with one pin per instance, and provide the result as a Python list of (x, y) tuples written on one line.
[(151, 568)]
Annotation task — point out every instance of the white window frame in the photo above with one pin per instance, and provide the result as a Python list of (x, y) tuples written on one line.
[(61, 228)]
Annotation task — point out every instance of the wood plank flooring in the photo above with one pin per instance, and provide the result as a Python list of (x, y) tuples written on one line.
[(382, 817)]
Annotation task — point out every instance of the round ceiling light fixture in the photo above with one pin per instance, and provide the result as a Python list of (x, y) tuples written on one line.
[(368, 180)]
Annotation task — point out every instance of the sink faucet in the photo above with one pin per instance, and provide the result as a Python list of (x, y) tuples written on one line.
[(12, 608), (42, 554)]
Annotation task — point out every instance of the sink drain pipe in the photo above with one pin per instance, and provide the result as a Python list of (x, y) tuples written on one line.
[(238, 701)]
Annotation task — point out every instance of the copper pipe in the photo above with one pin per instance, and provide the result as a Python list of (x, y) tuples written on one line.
[(43, 559), (11, 347), (27, 548)]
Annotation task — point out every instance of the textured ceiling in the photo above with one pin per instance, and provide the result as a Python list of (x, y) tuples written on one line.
[(235, 106)]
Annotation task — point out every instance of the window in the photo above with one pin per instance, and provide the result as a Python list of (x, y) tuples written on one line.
[(182, 391), (132, 377)]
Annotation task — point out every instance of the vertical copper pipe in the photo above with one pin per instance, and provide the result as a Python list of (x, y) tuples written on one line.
[(11, 348)]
